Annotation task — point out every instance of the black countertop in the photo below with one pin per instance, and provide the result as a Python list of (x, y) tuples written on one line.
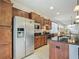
[(64, 40)]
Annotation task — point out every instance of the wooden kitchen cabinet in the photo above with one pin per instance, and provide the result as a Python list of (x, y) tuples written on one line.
[(50, 24), (18, 12), (5, 51), (58, 50), (39, 41), (42, 22), (47, 24), (36, 43), (5, 43), (5, 13), (43, 40), (5, 35), (34, 16)]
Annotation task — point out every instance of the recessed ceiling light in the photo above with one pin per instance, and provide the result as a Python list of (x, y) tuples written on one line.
[(51, 8), (58, 13)]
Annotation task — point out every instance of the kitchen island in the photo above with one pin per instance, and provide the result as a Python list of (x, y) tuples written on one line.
[(63, 50)]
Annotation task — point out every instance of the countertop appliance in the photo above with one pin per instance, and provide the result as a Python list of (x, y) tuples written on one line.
[(73, 51), (23, 37)]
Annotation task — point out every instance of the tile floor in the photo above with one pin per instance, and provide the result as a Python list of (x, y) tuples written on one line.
[(40, 53)]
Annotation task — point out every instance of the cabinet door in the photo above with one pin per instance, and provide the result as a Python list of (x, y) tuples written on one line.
[(66, 51), (42, 40), (58, 50), (45, 39), (51, 50), (5, 43), (5, 35), (5, 14), (37, 42), (5, 51)]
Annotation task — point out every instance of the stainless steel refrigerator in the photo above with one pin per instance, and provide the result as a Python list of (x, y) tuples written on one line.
[(23, 37)]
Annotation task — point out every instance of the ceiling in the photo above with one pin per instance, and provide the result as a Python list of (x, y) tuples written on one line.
[(64, 7)]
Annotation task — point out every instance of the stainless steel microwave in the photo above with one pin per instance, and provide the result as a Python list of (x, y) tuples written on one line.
[(37, 26)]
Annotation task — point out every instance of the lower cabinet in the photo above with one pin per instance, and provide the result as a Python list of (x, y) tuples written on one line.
[(5, 51), (37, 41), (40, 41), (43, 40), (5, 43), (58, 50)]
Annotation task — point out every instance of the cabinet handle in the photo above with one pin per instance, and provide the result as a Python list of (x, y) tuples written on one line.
[(58, 47)]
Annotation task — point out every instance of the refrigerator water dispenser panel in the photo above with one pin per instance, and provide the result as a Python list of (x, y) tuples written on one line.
[(20, 32)]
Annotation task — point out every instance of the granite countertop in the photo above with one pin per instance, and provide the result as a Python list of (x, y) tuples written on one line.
[(66, 41)]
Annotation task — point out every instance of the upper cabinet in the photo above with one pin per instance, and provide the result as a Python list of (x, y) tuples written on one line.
[(47, 24), (17, 12), (35, 17), (5, 13), (38, 19)]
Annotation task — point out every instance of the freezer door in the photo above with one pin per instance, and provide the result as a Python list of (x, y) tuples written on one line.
[(19, 38), (29, 37)]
